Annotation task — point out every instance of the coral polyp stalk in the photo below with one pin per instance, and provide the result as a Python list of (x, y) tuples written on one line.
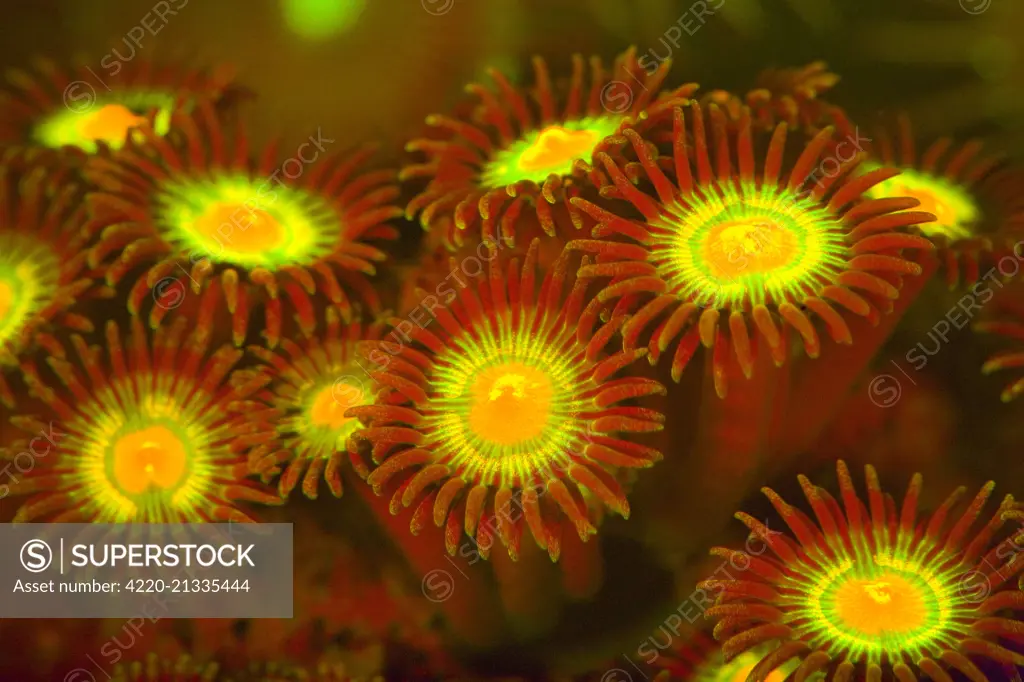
[(265, 232), (139, 432), (582, 567), (306, 390), (531, 152), (732, 442), (42, 263), (514, 425), (978, 206), (528, 587), (732, 259), (1007, 323), (872, 589), (74, 110), (814, 397)]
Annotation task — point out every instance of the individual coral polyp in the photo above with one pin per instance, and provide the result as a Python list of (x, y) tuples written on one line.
[(144, 436), (745, 247), (310, 387), (42, 269), (525, 154), (956, 211), (974, 196), (872, 587), (76, 108), (108, 123), (28, 278), (506, 406), (204, 212)]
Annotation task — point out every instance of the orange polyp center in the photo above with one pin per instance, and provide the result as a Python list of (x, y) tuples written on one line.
[(241, 229), (738, 248), (110, 123), (890, 603), (331, 403), (151, 457), (6, 299), (510, 403), (556, 146)]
